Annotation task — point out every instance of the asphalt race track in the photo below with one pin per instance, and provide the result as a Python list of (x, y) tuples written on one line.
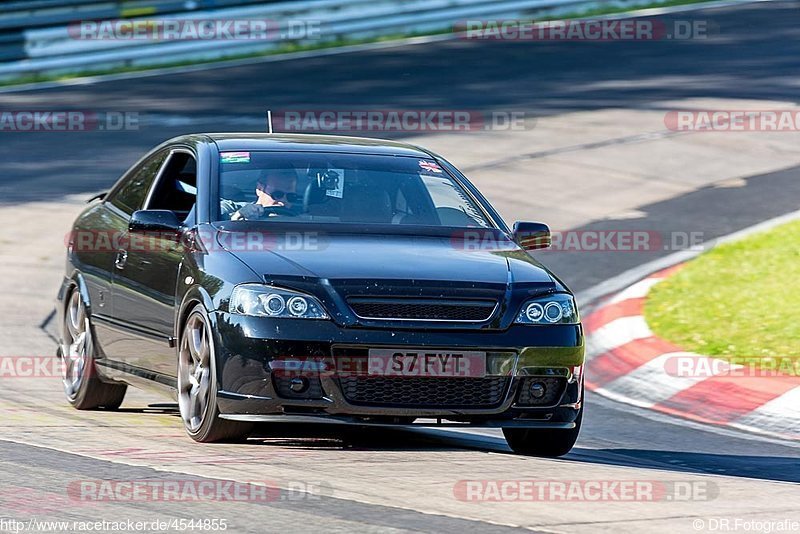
[(404, 480)]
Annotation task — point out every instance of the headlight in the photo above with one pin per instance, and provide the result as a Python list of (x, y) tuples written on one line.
[(267, 301), (552, 309)]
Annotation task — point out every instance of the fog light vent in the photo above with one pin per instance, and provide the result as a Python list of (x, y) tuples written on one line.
[(540, 390), (298, 384), (298, 387)]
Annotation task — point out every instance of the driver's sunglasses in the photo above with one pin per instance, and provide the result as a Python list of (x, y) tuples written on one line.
[(280, 195)]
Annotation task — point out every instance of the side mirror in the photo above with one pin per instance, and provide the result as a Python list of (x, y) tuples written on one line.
[(532, 235), (146, 221)]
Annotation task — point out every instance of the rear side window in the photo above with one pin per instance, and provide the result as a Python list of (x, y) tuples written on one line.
[(130, 195)]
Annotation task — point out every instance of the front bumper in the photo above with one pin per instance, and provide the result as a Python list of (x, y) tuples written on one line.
[(249, 350)]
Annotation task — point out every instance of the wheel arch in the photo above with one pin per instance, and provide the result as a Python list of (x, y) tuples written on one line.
[(194, 296)]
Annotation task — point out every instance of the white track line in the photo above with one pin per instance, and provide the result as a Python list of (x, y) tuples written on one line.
[(638, 290), (775, 415), (619, 332)]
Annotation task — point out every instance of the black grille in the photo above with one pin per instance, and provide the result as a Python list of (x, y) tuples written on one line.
[(422, 310), (425, 391), (553, 389)]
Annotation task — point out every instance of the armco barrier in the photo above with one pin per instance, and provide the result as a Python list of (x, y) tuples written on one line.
[(41, 13), (54, 50), (12, 46)]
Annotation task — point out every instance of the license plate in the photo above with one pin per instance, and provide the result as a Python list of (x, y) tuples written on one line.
[(458, 364)]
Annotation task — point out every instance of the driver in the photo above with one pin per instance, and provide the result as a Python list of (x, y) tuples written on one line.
[(275, 188)]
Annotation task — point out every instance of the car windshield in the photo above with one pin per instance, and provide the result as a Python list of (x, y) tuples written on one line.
[(342, 188)]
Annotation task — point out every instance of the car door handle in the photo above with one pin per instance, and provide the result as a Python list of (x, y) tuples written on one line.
[(121, 260)]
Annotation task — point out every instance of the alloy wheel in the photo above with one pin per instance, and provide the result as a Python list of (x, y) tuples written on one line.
[(77, 353), (194, 372)]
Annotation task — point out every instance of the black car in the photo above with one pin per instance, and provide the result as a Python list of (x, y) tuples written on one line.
[(261, 277)]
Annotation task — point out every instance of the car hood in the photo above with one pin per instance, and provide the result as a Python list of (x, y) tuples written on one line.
[(378, 257)]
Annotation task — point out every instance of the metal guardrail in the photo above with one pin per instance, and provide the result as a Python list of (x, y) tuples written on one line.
[(19, 17), (42, 13), (35, 5), (12, 46), (54, 50)]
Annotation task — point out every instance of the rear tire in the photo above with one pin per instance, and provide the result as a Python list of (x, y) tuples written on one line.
[(82, 386), (548, 443), (197, 384)]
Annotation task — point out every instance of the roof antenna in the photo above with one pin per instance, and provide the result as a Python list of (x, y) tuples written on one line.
[(269, 121)]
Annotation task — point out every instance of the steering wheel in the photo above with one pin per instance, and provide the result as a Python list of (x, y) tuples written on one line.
[(281, 210), (251, 212)]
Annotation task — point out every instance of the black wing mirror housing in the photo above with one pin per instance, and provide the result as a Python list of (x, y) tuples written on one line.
[(151, 221), (532, 235)]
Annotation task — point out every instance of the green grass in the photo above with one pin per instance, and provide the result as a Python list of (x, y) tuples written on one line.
[(294, 47), (740, 301)]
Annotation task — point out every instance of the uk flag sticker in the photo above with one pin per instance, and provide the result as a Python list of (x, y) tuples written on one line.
[(429, 166)]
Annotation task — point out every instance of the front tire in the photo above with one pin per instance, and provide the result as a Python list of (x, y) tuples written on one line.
[(197, 384), (83, 388), (548, 443)]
